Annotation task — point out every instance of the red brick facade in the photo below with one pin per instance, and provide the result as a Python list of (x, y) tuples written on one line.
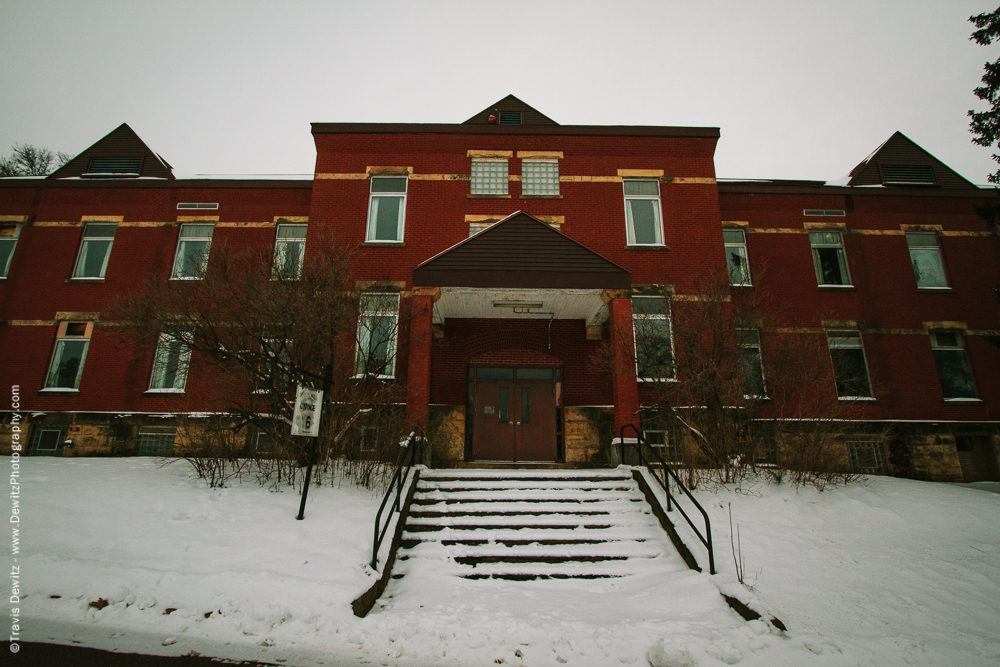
[(444, 338)]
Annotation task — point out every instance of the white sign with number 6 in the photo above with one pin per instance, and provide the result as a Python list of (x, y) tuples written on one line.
[(308, 404)]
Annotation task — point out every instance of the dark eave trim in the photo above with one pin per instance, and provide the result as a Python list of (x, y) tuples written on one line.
[(149, 183), (556, 130), (756, 187)]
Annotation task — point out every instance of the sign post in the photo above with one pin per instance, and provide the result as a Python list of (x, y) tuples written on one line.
[(305, 421)]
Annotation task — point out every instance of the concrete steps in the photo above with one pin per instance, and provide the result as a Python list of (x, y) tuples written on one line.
[(524, 525)]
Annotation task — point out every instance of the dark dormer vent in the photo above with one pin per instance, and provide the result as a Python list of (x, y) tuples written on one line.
[(116, 166), (907, 174), (511, 118)]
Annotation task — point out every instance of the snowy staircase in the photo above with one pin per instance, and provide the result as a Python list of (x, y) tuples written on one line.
[(532, 524)]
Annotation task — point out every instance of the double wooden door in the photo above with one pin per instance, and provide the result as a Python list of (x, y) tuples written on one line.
[(515, 420)]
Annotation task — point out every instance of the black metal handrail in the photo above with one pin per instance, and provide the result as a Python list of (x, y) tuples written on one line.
[(412, 453), (668, 472)]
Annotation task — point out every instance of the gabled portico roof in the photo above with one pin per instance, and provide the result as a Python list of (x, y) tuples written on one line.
[(521, 251)]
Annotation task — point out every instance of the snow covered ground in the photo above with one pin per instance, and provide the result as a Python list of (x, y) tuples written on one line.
[(888, 572)]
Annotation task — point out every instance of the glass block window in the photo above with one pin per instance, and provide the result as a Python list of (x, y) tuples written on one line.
[(489, 177), (155, 441), (867, 456), (539, 177), (95, 249)]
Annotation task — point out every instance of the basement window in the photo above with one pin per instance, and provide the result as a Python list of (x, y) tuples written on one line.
[(867, 456), (155, 441)]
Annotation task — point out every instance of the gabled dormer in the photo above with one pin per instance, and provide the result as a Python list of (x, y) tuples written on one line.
[(510, 111), (900, 162), (120, 154)]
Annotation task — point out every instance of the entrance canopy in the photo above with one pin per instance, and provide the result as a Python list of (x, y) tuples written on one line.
[(521, 251), (521, 267)]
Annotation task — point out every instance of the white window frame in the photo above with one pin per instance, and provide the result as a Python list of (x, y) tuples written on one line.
[(740, 250), (843, 337), (375, 306), (5, 240), (745, 342), (89, 244), (536, 180), (282, 245), (838, 247), (939, 344), (637, 323), (373, 204), (657, 209), (485, 182), (182, 241), (163, 360), (68, 333), (916, 249), (672, 448)]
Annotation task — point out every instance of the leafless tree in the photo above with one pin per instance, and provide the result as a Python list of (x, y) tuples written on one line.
[(722, 372), (246, 334), (28, 160)]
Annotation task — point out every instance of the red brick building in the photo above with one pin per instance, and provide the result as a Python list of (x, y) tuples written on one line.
[(524, 251)]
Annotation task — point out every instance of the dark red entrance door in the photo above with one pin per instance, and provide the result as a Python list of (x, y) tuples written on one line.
[(515, 419)]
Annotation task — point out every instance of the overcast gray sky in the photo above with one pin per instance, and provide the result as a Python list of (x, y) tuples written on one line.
[(800, 89)]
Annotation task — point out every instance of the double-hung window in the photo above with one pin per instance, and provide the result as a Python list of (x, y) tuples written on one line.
[(95, 249), (850, 367), (378, 329), (8, 240), (751, 366), (170, 365), (289, 252), (654, 347), (736, 257), (644, 222), (274, 374), (829, 258), (489, 176), (953, 367), (539, 178), (193, 246), (387, 208), (66, 367), (925, 255)]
